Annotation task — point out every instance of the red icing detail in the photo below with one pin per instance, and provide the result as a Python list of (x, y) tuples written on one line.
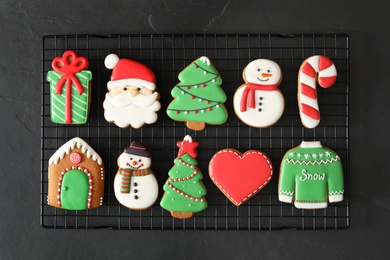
[(240, 176), (130, 69), (203, 85), (196, 66), (209, 109), (68, 65), (324, 63), (187, 87), (310, 111), (327, 82), (207, 101), (248, 96), (177, 112), (192, 97), (75, 158), (195, 111), (308, 70), (187, 147), (308, 91)]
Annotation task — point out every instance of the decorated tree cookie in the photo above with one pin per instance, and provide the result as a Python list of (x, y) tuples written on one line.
[(184, 190), (76, 177), (199, 99), (70, 89), (132, 99), (135, 185), (310, 176)]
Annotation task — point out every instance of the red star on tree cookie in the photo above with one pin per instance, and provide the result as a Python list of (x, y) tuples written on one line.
[(187, 146)]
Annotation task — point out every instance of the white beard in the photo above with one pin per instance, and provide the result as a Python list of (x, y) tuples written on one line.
[(124, 110)]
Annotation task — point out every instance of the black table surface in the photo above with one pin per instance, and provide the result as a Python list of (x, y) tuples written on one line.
[(22, 25)]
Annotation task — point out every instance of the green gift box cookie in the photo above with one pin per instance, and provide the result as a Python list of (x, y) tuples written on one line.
[(69, 89)]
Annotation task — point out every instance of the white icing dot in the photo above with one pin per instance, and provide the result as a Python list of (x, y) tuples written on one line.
[(200, 191), (186, 112), (213, 80), (205, 72), (182, 92), (202, 110), (217, 106), (195, 181), (90, 180), (58, 196), (90, 193), (196, 86), (184, 186), (90, 187), (200, 100), (173, 199), (190, 205), (58, 203)]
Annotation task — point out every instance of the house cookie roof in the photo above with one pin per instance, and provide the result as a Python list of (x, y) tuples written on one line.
[(75, 142)]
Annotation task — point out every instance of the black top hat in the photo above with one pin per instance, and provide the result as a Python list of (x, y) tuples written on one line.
[(139, 149)]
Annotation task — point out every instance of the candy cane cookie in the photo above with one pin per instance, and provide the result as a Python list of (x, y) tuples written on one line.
[(315, 68)]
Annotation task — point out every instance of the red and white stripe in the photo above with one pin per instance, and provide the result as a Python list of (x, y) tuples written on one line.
[(307, 93)]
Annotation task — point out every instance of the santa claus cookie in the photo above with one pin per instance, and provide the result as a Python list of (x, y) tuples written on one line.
[(76, 177), (135, 185), (184, 190), (240, 176), (259, 102), (132, 100), (199, 98)]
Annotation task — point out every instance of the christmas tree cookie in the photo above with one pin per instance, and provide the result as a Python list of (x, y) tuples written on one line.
[(184, 190), (310, 176), (199, 99), (70, 89)]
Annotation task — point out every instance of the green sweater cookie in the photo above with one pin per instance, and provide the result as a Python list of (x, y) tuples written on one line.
[(311, 175)]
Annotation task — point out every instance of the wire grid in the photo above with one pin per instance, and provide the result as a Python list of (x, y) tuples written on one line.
[(167, 55)]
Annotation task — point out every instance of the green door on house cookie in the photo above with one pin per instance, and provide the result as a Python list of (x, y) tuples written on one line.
[(74, 190)]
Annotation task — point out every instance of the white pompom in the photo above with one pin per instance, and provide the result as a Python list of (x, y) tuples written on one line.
[(111, 60)]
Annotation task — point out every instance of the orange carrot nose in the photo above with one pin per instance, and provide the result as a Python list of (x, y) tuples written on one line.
[(134, 163), (266, 75)]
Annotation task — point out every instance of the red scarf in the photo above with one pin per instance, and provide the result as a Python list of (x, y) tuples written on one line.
[(126, 174), (248, 96)]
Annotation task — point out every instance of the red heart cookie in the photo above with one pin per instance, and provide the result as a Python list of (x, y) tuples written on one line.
[(240, 176)]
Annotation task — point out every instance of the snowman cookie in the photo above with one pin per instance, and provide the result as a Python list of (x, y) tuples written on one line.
[(135, 185), (132, 99), (259, 102)]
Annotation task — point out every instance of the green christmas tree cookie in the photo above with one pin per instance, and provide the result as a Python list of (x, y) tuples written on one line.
[(199, 99), (184, 190)]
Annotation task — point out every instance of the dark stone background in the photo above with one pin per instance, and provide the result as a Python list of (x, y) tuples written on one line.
[(22, 25)]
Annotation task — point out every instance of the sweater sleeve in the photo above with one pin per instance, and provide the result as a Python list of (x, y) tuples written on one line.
[(286, 182), (336, 181)]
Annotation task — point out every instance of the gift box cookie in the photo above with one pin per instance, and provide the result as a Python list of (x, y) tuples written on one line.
[(70, 89)]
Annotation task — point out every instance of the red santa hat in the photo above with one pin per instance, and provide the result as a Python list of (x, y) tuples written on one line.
[(128, 72)]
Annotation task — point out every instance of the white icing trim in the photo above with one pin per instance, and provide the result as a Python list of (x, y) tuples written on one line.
[(310, 205), (285, 198), (311, 144), (188, 138), (75, 142), (131, 82), (336, 198), (206, 60)]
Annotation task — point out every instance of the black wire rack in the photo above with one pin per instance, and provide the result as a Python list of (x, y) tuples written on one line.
[(167, 55)]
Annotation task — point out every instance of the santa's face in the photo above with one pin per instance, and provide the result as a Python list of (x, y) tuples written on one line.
[(134, 162), (131, 95), (263, 71)]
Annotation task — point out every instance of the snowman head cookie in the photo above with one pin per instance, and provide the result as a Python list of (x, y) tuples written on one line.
[(259, 102), (135, 185)]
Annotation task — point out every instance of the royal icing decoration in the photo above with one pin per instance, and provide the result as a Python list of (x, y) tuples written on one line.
[(135, 185), (311, 180), (259, 102), (240, 176), (316, 68), (69, 89), (76, 177), (184, 190), (198, 98), (131, 100)]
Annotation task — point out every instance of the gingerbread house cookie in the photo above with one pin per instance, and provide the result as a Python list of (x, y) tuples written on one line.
[(76, 177)]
